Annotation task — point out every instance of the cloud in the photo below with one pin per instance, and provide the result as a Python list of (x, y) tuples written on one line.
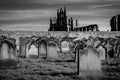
[(25, 13), (102, 6), (22, 14), (25, 27)]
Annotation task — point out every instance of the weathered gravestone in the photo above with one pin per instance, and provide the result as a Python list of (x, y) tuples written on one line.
[(89, 63), (102, 52), (8, 57), (28, 47), (31, 51), (52, 50), (5, 51), (65, 46), (42, 46), (32, 47), (22, 47)]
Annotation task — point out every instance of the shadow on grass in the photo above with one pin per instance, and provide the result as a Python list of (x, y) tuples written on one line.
[(61, 60), (59, 73)]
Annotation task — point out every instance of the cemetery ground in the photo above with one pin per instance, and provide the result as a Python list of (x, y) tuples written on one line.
[(57, 69)]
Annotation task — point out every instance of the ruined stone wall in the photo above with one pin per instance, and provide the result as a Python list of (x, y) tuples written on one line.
[(17, 34), (59, 35)]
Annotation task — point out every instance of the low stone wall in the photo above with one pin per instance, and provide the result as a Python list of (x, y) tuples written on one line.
[(17, 34)]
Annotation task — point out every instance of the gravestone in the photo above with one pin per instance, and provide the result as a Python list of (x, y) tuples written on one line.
[(13, 53), (52, 50), (8, 57), (22, 48), (102, 52), (89, 63), (5, 51), (65, 46), (42, 49), (31, 51)]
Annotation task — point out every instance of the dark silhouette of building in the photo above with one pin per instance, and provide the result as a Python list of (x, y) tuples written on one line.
[(115, 23), (92, 27), (62, 23)]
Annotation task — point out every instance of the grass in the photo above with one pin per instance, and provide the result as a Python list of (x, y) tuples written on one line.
[(39, 69)]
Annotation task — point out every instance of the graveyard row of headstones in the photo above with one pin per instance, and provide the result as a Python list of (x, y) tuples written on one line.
[(92, 51), (104, 48), (107, 47), (43, 46)]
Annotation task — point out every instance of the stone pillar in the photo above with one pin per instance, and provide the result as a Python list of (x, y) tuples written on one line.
[(22, 48), (76, 55), (78, 68)]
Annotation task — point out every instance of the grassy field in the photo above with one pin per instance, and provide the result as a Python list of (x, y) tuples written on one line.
[(39, 69)]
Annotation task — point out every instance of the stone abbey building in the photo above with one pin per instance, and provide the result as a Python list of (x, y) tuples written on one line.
[(115, 23), (62, 23)]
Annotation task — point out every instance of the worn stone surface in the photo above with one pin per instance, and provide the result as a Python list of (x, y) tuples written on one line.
[(8, 57), (89, 62), (42, 49), (52, 50)]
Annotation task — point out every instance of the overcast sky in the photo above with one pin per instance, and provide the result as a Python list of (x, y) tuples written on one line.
[(34, 14)]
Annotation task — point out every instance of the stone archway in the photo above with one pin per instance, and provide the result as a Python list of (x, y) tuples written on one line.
[(42, 48)]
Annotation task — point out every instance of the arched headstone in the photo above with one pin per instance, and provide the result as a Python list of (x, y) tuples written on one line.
[(31, 50), (65, 46), (5, 52), (102, 52), (52, 50), (8, 58), (42, 48)]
